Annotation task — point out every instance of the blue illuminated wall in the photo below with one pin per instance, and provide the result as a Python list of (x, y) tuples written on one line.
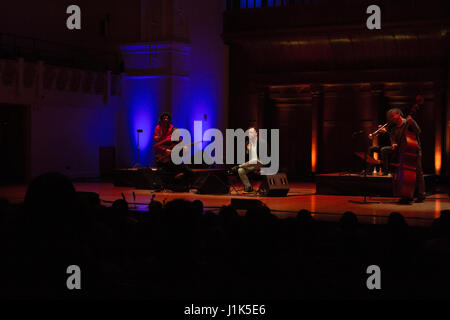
[(196, 101), (142, 103), (206, 91), (191, 83)]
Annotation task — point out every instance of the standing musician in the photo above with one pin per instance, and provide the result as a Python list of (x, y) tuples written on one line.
[(398, 141), (163, 147)]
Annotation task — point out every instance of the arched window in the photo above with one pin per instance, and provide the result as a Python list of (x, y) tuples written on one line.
[(245, 4), (250, 3)]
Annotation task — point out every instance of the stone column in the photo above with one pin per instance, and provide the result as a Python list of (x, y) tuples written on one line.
[(376, 91), (447, 123), (20, 68), (316, 127), (40, 79), (107, 92)]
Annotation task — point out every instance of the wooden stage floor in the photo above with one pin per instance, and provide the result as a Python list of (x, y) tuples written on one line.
[(301, 196)]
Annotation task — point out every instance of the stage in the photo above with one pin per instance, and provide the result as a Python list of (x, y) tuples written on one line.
[(302, 195), (351, 184)]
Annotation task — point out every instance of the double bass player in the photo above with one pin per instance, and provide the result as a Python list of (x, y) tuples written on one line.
[(398, 143)]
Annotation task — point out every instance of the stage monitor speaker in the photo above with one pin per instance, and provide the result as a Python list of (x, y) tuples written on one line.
[(212, 183), (148, 178), (125, 177), (275, 185), (245, 204)]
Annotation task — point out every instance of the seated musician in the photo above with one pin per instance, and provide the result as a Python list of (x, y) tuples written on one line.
[(253, 165), (163, 147), (384, 150), (398, 140)]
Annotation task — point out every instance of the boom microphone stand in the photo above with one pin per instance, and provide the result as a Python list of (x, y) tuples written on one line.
[(365, 180)]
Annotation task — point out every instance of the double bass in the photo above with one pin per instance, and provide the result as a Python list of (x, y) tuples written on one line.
[(404, 179)]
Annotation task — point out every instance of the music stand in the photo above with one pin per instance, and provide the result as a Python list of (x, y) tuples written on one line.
[(367, 159)]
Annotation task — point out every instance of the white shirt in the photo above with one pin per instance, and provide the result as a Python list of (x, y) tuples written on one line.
[(253, 155)]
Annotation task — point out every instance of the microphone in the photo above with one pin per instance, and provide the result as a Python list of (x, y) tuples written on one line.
[(358, 132)]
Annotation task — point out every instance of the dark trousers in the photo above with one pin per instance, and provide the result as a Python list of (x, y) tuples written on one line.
[(420, 181), (243, 171)]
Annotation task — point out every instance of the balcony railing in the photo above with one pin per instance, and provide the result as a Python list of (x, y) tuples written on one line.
[(13, 46)]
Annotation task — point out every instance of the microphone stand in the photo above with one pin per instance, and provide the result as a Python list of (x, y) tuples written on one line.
[(137, 151), (365, 180)]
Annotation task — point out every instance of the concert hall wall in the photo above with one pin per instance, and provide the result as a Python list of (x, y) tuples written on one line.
[(186, 75), (286, 60), (81, 93)]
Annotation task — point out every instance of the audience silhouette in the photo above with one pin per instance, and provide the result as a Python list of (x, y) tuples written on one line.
[(177, 249)]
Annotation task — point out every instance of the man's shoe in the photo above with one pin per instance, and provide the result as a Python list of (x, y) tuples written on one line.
[(420, 199), (248, 190), (404, 201)]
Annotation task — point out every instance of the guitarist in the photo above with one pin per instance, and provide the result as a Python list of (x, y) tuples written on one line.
[(163, 147), (163, 132), (253, 165), (395, 117)]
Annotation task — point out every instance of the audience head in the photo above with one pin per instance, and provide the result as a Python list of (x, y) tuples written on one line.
[(258, 213), (155, 206), (396, 221), (444, 222), (54, 219), (3, 205), (305, 219), (228, 212), (348, 221), (51, 204), (50, 191), (197, 206), (120, 207)]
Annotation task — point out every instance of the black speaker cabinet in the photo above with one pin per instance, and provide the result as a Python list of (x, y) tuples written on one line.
[(148, 178), (212, 183), (275, 185), (125, 177), (107, 161)]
